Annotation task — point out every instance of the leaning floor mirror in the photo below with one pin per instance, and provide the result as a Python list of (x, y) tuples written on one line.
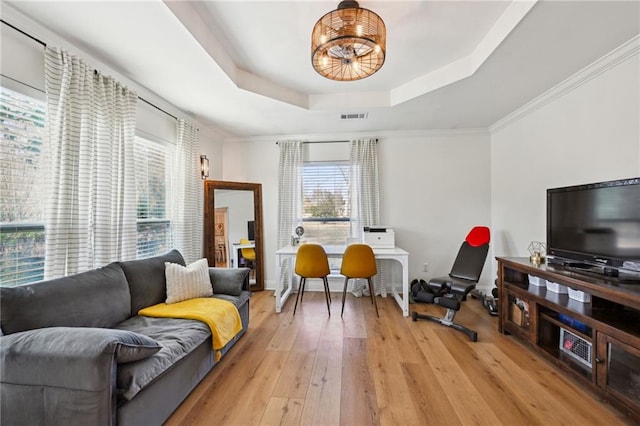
[(233, 227)]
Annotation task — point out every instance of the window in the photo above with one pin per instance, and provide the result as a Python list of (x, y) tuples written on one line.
[(22, 247), (152, 174), (326, 207)]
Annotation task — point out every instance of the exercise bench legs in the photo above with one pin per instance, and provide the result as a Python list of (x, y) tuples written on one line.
[(448, 294)]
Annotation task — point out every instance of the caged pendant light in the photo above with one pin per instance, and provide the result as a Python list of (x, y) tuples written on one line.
[(348, 43)]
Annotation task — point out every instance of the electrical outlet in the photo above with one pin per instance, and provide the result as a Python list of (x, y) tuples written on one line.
[(425, 267)]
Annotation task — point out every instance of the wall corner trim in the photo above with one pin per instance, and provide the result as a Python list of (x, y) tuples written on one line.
[(612, 59)]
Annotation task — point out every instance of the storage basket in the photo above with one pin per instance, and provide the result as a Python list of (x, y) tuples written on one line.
[(576, 347), (578, 295), (537, 281), (556, 288)]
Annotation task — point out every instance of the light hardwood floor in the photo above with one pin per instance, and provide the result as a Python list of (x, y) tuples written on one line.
[(312, 369)]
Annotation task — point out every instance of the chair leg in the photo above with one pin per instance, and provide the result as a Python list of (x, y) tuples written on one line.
[(299, 295), (304, 285), (326, 293), (373, 296), (344, 294)]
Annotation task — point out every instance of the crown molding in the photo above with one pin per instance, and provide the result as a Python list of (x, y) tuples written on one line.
[(467, 65), (193, 19), (612, 59), (399, 134)]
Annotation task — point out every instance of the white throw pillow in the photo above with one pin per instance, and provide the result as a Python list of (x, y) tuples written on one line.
[(187, 282)]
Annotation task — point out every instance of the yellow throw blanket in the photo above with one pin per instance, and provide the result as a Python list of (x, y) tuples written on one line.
[(221, 316)]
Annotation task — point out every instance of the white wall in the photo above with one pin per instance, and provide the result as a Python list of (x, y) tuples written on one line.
[(23, 59), (585, 130), (434, 188)]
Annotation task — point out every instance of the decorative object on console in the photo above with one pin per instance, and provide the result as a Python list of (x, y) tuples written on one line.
[(348, 43), (537, 251), (204, 166)]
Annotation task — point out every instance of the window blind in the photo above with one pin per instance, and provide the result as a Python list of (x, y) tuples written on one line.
[(22, 248), (154, 227), (326, 202)]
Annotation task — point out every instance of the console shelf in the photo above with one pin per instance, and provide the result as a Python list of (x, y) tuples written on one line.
[(597, 342)]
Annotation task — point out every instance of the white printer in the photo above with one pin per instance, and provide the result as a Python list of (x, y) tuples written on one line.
[(379, 236)]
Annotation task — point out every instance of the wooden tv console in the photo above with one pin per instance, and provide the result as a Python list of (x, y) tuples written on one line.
[(598, 343)]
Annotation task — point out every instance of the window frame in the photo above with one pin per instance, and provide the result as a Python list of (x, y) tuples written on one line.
[(24, 269), (143, 139), (345, 192)]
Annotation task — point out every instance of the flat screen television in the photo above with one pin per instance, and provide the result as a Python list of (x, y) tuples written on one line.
[(251, 230), (595, 226)]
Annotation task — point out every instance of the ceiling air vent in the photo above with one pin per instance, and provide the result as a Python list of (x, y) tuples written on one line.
[(358, 116)]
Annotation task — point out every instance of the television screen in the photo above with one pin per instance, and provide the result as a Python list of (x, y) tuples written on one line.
[(251, 230), (596, 223)]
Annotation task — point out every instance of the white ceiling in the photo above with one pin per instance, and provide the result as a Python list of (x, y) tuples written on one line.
[(245, 66)]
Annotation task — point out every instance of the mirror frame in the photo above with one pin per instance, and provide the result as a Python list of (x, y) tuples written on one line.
[(209, 222)]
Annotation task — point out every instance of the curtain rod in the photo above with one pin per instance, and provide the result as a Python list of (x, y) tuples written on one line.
[(37, 40), (157, 107), (309, 142), (37, 89)]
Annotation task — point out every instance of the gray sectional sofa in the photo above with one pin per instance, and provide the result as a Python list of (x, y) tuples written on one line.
[(74, 351)]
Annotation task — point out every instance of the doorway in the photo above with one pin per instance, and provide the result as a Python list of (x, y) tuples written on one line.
[(221, 238)]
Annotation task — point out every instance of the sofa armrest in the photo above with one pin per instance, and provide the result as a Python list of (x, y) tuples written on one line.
[(62, 375), (231, 281)]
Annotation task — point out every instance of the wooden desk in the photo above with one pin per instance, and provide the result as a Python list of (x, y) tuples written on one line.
[(289, 253)]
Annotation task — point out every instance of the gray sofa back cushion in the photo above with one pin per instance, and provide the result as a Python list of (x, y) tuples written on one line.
[(147, 282), (228, 280), (97, 298)]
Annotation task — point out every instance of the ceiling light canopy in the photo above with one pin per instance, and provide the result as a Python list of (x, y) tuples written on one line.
[(348, 43)]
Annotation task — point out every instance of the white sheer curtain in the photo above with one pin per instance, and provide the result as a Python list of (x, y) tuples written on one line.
[(289, 199), (365, 198), (90, 216), (187, 194)]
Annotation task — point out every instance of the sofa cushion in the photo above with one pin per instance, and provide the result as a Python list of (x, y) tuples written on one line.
[(147, 282), (177, 337), (228, 280), (97, 298), (69, 357), (187, 282), (131, 346), (238, 300)]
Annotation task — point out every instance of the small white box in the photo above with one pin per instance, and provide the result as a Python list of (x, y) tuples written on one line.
[(537, 281), (556, 288), (379, 237), (578, 295)]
